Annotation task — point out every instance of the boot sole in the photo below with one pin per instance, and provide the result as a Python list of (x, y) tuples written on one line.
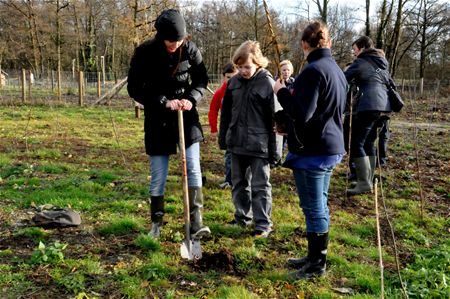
[(359, 192), (296, 263), (200, 234), (298, 275)]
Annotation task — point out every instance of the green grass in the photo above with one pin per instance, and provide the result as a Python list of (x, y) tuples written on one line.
[(69, 157)]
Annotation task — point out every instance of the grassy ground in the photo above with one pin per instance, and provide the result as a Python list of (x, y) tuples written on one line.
[(92, 160)]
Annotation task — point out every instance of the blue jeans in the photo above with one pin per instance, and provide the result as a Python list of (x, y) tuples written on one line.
[(312, 187), (159, 167)]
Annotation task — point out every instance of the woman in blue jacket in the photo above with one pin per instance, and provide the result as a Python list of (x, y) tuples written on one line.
[(315, 140)]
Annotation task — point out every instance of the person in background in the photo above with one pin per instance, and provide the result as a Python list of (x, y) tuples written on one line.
[(373, 105), (383, 139), (316, 141), (167, 74), (229, 70), (282, 120), (349, 114), (246, 130), (287, 69)]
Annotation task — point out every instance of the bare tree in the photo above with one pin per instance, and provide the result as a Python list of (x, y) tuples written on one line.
[(392, 49), (384, 19), (322, 6), (26, 9), (433, 21), (341, 24), (367, 17), (58, 43)]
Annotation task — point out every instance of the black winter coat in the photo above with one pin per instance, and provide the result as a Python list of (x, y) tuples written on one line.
[(156, 76), (246, 120)]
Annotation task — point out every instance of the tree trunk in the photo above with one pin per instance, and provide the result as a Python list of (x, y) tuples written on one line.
[(80, 60), (384, 19), (323, 9), (368, 18), (255, 19), (396, 37), (58, 51)]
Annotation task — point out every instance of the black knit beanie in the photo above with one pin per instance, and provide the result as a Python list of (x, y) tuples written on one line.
[(170, 25)]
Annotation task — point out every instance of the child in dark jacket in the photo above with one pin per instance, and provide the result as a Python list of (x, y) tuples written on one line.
[(246, 131)]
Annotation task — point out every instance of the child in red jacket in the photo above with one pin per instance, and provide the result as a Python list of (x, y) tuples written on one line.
[(229, 71)]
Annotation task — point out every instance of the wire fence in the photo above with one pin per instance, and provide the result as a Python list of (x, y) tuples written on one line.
[(20, 86)]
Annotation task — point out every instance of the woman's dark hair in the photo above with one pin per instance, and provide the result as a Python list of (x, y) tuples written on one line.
[(364, 42), (228, 68), (316, 35)]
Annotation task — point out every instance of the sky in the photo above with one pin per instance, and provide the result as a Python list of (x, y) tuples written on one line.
[(290, 7)]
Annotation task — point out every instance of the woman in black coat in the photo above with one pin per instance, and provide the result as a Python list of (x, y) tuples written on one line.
[(167, 74), (367, 73)]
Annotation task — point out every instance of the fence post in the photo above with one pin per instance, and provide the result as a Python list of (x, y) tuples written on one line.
[(73, 69), (137, 110), (421, 86), (102, 63), (80, 88), (58, 84), (24, 84), (99, 87), (53, 80), (30, 82)]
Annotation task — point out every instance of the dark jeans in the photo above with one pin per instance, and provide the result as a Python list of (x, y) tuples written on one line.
[(383, 138), (346, 125), (364, 134), (227, 159)]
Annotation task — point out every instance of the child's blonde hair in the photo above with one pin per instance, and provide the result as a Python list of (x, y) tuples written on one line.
[(250, 49), (288, 63)]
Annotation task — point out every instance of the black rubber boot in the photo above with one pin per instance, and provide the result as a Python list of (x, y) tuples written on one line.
[(157, 213), (297, 263), (198, 230), (363, 176), (315, 263)]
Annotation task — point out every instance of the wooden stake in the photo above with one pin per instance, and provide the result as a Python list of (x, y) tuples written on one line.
[(24, 85), (99, 87), (380, 252), (137, 110), (80, 88)]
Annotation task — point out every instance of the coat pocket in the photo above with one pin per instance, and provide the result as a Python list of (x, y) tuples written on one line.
[(257, 140)]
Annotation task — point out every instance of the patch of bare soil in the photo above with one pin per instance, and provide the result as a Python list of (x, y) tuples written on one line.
[(222, 261)]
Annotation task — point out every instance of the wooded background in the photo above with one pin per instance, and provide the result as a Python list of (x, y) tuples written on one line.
[(42, 36)]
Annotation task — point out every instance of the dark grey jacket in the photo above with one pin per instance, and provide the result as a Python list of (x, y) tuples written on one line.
[(246, 126), (372, 88), (156, 76)]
